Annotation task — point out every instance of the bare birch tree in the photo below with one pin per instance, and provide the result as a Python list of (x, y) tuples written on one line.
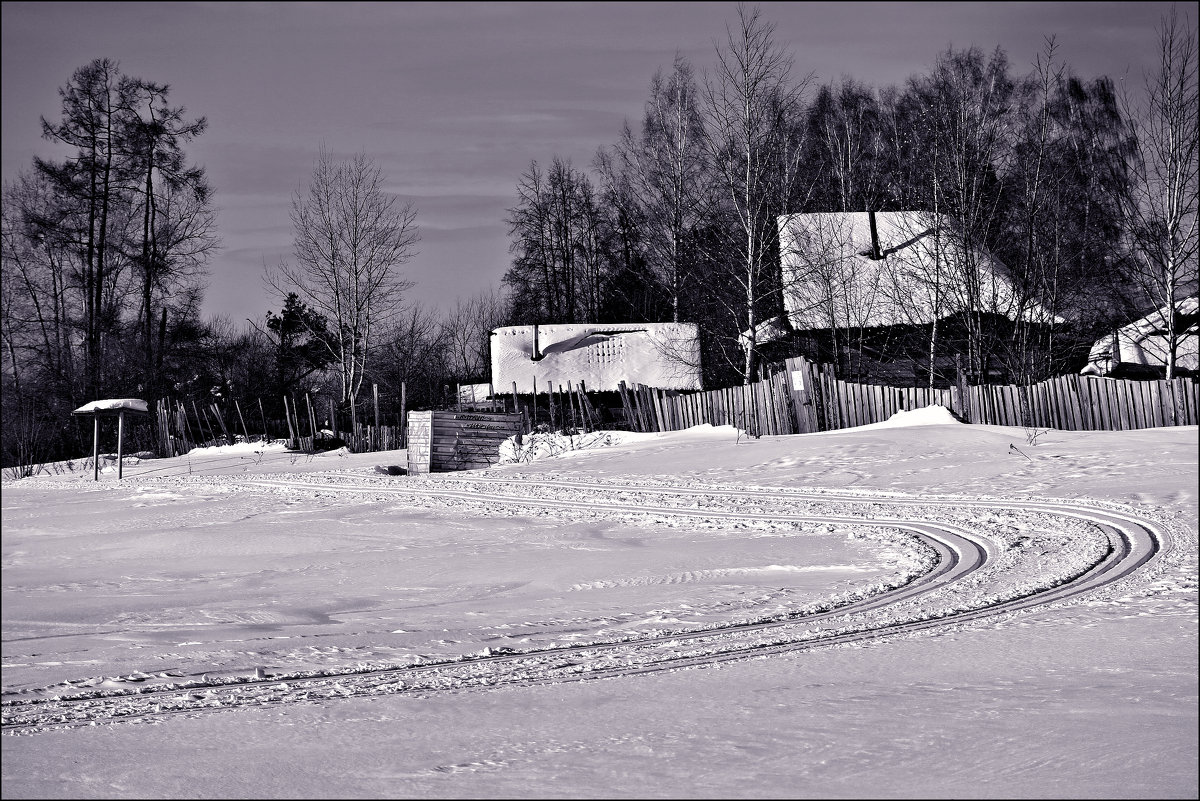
[(750, 105), (352, 238), (664, 168), (1161, 206)]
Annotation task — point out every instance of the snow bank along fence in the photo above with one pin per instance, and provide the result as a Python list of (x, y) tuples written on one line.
[(806, 397), (441, 441)]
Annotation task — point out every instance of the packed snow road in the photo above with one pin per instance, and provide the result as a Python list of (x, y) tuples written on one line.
[(979, 558)]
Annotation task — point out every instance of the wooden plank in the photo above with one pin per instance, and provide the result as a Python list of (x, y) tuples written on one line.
[(1181, 410), (1040, 416), (1152, 394), (1054, 400), (1167, 394), (782, 405), (1132, 392), (764, 389), (1108, 419), (770, 415), (1087, 401), (1149, 401), (1139, 404), (825, 416), (845, 403), (660, 416), (1070, 390), (1154, 390), (750, 404), (1133, 403), (755, 408), (1046, 399), (1099, 397), (1012, 405), (1110, 410), (1129, 412), (1067, 398)]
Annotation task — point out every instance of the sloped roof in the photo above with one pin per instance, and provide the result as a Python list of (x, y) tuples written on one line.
[(830, 279), (1144, 342), (663, 355)]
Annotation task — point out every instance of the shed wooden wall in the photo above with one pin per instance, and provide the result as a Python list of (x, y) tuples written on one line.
[(443, 441)]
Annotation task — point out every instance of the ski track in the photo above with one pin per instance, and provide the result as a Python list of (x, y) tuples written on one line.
[(977, 566)]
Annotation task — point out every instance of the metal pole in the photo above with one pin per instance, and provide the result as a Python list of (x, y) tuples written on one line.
[(120, 434), (95, 446)]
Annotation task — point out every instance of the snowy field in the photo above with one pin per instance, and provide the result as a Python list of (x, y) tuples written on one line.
[(914, 609)]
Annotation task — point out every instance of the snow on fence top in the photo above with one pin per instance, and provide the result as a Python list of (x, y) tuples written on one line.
[(114, 405), (662, 355)]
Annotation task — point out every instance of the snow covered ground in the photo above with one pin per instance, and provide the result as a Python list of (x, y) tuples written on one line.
[(913, 609)]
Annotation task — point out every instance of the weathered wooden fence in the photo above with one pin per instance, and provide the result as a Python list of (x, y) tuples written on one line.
[(806, 397), (180, 426), (441, 441), (1085, 403)]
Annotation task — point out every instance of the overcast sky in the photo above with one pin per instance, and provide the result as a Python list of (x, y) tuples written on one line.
[(453, 100)]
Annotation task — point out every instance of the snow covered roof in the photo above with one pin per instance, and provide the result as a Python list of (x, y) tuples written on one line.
[(1144, 342), (830, 279), (765, 332), (113, 406), (663, 355)]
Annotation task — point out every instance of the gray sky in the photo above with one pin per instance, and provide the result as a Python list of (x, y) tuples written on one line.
[(453, 100)]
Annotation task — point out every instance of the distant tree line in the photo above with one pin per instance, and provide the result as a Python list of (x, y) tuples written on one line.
[(104, 261), (1088, 198)]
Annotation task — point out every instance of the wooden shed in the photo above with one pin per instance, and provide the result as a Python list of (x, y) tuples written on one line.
[(443, 441)]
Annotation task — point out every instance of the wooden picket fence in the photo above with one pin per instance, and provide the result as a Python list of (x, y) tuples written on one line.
[(806, 397)]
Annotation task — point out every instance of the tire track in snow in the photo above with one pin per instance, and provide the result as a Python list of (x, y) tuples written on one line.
[(963, 554)]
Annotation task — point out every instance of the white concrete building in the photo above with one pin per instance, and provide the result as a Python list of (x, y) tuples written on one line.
[(663, 355)]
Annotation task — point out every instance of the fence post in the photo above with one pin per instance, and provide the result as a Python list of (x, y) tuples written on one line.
[(221, 421), (261, 411), (403, 415), (629, 419), (288, 417), (375, 398), (238, 406), (961, 380), (312, 418)]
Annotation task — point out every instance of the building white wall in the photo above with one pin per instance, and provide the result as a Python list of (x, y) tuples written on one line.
[(663, 355)]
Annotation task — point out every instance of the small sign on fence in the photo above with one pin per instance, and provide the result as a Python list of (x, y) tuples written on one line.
[(798, 381)]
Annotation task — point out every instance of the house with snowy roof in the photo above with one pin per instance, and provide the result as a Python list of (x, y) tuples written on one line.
[(874, 269), (539, 357), (1141, 348), (884, 271)]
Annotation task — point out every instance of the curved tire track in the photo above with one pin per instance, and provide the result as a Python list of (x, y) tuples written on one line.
[(962, 553)]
